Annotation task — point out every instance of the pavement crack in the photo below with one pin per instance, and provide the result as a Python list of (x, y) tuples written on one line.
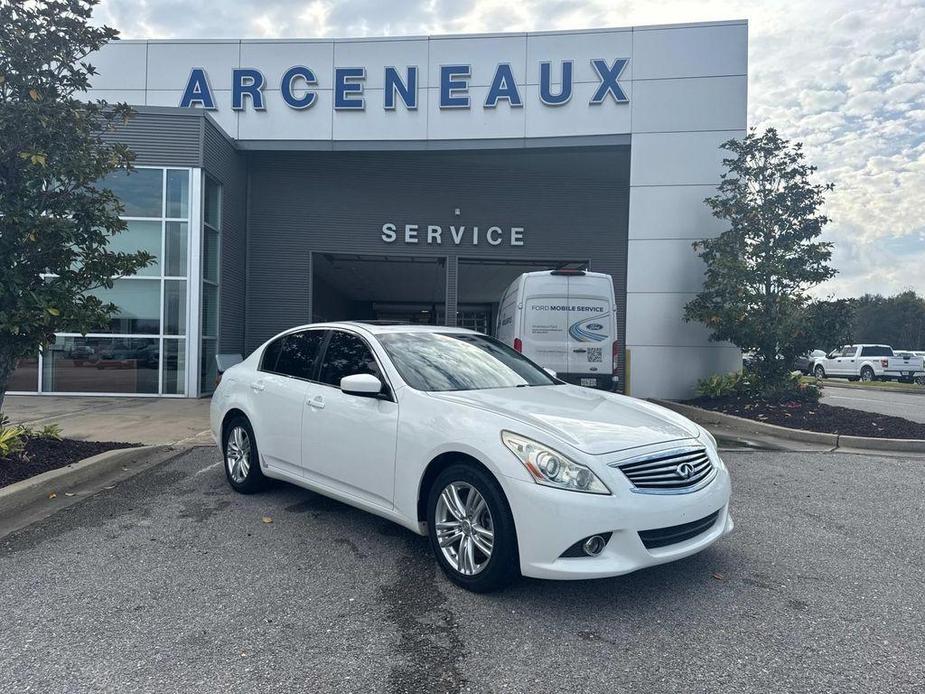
[(429, 647)]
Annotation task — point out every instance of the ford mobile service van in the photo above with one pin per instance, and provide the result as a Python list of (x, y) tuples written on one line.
[(565, 321)]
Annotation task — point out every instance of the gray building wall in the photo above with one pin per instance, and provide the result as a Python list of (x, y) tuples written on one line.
[(571, 202), (162, 137), (226, 165)]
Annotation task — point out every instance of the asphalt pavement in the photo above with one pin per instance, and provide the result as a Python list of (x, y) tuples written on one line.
[(906, 405), (170, 582)]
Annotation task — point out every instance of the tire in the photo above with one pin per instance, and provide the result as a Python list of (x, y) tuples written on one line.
[(867, 374), (470, 522), (819, 371), (242, 469), (854, 378), (920, 380)]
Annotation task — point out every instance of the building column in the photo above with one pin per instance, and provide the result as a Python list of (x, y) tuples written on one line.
[(452, 277)]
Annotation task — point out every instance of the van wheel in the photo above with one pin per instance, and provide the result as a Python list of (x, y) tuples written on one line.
[(819, 371), (242, 459), (867, 374), (471, 529)]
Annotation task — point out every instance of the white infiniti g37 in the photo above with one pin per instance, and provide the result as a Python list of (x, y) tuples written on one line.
[(454, 435)]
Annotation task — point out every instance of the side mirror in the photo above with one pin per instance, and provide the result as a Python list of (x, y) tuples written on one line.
[(551, 372), (364, 385)]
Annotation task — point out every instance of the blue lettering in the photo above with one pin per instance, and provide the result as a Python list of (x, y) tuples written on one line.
[(503, 86), (565, 90), (347, 82), (286, 87), (608, 77), (407, 90), (451, 85), (198, 91), (247, 82)]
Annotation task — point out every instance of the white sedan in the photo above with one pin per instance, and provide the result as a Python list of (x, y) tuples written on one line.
[(454, 435)]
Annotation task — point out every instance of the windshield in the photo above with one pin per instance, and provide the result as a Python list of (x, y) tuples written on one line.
[(460, 361)]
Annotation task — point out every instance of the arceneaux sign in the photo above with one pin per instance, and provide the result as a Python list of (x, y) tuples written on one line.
[(298, 83)]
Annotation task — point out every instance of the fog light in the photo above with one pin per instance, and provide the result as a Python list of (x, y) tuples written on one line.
[(594, 545)]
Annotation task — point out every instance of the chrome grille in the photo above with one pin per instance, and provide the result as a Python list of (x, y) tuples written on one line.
[(675, 470)]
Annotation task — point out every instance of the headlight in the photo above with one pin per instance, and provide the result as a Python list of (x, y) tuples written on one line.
[(551, 468)]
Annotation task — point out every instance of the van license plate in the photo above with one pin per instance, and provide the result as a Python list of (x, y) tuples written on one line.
[(590, 382)]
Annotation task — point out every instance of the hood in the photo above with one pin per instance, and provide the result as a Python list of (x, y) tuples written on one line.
[(592, 421)]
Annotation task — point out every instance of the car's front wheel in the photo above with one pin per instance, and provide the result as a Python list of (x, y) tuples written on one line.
[(242, 460), (472, 530), (819, 371)]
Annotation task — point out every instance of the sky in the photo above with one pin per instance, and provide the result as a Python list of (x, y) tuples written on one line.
[(845, 77)]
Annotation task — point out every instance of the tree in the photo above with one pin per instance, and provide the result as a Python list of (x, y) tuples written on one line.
[(759, 270), (898, 320), (830, 323), (55, 223)]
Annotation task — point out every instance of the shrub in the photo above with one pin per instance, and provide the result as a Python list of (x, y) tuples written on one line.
[(12, 438), (750, 385)]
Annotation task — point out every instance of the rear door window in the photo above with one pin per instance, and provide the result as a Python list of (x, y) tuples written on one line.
[(294, 355), (876, 352), (347, 355)]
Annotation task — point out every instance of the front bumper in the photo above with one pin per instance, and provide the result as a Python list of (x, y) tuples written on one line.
[(549, 521)]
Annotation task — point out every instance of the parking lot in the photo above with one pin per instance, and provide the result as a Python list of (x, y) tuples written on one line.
[(906, 405), (170, 582)]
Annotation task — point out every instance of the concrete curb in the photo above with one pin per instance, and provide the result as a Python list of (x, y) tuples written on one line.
[(705, 417), (20, 496), (846, 386)]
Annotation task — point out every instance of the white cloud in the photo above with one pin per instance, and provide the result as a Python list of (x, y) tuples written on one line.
[(846, 77)]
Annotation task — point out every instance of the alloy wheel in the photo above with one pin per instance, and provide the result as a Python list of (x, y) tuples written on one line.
[(238, 454), (464, 527)]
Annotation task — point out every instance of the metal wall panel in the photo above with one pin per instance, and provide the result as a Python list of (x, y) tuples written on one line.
[(571, 202), (225, 164), (162, 139)]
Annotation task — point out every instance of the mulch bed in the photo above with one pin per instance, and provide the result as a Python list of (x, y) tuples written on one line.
[(828, 419), (44, 454)]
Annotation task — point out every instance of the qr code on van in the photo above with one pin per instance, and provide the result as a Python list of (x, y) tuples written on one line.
[(594, 355)]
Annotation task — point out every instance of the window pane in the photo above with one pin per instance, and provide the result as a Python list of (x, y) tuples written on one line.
[(140, 236), (140, 191), (101, 365), (177, 193), (211, 213), (207, 367), (174, 307), (209, 310), (174, 367), (298, 354), (346, 355), (175, 248), (26, 375), (271, 355), (209, 255), (139, 303)]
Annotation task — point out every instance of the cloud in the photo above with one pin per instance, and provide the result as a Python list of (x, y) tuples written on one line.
[(845, 78)]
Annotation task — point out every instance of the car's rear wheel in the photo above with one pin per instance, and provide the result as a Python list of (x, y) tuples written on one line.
[(819, 371), (242, 459), (867, 374), (472, 530)]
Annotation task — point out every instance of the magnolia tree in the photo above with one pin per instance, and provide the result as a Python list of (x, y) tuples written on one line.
[(55, 222), (759, 270)]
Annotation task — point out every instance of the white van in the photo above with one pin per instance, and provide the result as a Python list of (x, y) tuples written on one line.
[(566, 321)]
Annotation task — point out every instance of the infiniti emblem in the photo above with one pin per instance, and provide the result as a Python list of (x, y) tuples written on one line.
[(684, 470)]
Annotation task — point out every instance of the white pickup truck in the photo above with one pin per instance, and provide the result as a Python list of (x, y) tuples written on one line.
[(868, 363)]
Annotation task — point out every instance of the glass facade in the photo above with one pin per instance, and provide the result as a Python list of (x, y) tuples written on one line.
[(211, 241), (143, 348)]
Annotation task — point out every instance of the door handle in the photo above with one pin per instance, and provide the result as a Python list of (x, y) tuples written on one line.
[(580, 351), (258, 386), (316, 402)]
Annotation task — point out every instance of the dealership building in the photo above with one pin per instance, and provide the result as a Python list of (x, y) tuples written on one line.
[(281, 182)]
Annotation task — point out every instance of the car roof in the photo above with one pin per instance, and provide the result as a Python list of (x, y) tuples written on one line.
[(381, 327)]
